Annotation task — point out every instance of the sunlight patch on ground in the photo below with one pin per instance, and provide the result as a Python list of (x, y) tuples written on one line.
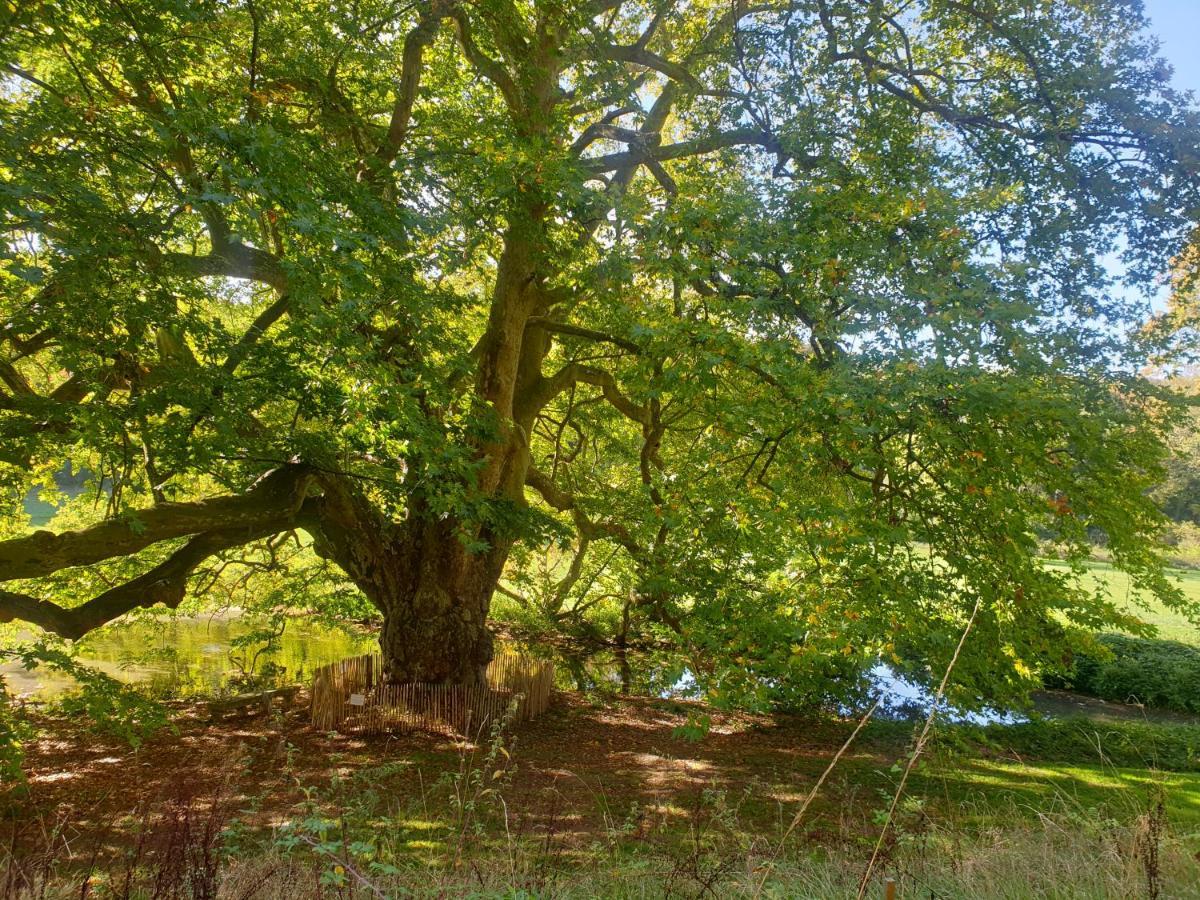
[(664, 771), (55, 776)]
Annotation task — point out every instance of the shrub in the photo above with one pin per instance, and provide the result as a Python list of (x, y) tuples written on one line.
[(14, 731), (1156, 673)]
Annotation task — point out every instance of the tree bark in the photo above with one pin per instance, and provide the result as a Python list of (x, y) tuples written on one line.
[(435, 629), (433, 592)]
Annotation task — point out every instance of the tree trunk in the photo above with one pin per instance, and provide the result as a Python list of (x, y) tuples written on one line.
[(433, 592), (432, 639), (435, 627)]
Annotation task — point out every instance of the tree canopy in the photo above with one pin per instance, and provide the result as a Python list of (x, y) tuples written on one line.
[(815, 320)]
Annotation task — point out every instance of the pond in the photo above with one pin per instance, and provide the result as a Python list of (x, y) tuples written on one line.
[(183, 656), (187, 656)]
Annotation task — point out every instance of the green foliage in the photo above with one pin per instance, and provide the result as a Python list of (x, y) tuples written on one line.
[(252, 652), (695, 729), (15, 730), (797, 323), (1156, 673), (1179, 492), (111, 707)]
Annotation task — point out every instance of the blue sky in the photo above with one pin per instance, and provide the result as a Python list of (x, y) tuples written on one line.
[(1177, 25)]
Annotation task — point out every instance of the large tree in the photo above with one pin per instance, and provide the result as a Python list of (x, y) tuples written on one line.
[(821, 313)]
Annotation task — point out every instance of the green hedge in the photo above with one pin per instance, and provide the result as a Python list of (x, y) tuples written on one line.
[(1157, 673)]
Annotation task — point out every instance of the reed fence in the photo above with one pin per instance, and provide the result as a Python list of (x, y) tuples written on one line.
[(352, 696)]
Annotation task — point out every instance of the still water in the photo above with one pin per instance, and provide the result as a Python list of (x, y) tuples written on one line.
[(184, 655)]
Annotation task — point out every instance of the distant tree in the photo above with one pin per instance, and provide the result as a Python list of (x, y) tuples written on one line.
[(1176, 327), (801, 307), (1179, 493)]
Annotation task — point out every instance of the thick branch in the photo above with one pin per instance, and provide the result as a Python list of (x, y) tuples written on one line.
[(278, 494), (695, 147), (640, 56), (166, 583), (577, 373), (590, 334), (257, 329), (489, 68), (602, 129), (564, 501), (410, 77), (15, 380), (234, 260)]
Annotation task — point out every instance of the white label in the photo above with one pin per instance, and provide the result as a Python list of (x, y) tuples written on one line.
[(358, 699)]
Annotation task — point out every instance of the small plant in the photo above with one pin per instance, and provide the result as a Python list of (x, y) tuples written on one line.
[(111, 707), (694, 729), (170, 849), (479, 781), (15, 730), (250, 655), (715, 846)]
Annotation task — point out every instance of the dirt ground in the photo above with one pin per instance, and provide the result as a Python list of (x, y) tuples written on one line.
[(585, 766), (589, 786)]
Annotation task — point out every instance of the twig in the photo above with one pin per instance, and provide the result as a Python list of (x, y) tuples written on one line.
[(811, 795), (920, 745), (362, 879)]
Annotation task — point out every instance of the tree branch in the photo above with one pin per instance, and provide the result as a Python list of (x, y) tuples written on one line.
[(489, 68), (233, 260), (276, 495), (579, 331), (166, 583), (564, 501), (577, 373), (411, 65), (695, 147), (258, 327), (640, 56)]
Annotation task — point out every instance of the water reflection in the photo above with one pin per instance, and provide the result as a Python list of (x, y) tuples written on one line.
[(900, 698), (185, 656), (653, 675)]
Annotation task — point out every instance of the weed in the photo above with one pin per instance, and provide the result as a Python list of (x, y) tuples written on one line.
[(1149, 830)]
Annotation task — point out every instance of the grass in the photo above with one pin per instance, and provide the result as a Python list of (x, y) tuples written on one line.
[(984, 794), (1170, 623), (969, 830)]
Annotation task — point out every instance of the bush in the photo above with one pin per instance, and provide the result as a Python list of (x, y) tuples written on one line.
[(1156, 673), (112, 707)]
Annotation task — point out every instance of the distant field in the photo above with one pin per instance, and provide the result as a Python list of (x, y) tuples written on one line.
[(1170, 624)]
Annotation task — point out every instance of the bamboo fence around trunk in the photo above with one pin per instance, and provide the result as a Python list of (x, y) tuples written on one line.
[(353, 696)]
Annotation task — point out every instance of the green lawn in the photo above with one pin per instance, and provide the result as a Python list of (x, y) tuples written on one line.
[(1170, 624), (984, 793)]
